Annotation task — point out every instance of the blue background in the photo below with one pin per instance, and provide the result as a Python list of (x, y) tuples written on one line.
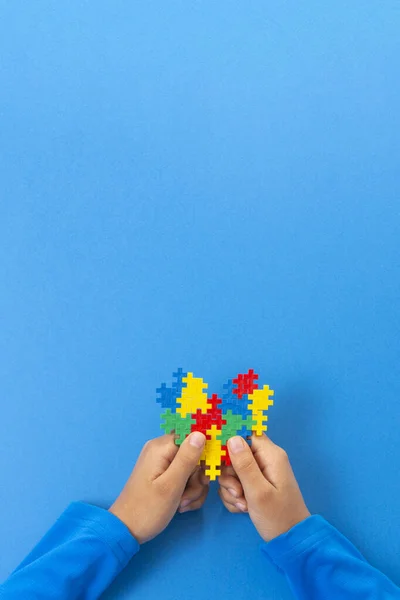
[(212, 185)]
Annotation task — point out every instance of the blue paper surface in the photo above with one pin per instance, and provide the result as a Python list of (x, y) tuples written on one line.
[(213, 185)]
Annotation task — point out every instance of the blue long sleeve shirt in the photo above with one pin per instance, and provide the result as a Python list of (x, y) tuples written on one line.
[(87, 547)]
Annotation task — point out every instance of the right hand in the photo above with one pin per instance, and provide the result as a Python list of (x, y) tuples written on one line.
[(261, 481), (165, 478)]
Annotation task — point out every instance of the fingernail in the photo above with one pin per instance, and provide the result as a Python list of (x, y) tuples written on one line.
[(236, 444), (196, 439), (241, 506), (184, 503), (233, 492)]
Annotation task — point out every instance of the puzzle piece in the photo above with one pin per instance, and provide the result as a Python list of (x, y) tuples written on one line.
[(216, 404), (247, 427), (183, 428), (167, 397), (228, 396), (175, 423), (260, 420), (179, 384), (244, 383), (260, 399), (215, 411), (169, 421), (233, 423), (213, 453), (226, 459), (193, 397), (231, 400), (205, 421)]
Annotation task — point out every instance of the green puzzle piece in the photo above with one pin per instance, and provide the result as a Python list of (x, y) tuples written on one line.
[(174, 422), (234, 423)]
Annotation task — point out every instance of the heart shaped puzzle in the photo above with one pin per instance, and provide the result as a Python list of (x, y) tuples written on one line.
[(241, 411)]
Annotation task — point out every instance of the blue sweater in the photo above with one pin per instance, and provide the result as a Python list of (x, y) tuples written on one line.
[(88, 546)]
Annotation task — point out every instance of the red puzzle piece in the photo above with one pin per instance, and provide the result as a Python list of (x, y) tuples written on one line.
[(212, 417), (226, 460), (245, 383)]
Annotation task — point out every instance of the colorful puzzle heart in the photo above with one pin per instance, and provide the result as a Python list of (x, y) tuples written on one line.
[(241, 411)]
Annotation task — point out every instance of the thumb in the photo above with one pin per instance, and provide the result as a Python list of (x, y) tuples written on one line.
[(185, 461), (272, 460), (245, 465)]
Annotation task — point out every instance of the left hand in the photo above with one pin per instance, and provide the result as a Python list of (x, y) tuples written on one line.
[(165, 478)]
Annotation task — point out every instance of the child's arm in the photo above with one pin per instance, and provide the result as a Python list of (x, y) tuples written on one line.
[(317, 560), (88, 546), (77, 558)]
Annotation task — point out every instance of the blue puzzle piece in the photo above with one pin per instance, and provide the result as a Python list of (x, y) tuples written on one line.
[(238, 409), (230, 401), (178, 384), (228, 387), (244, 431), (167, 397)]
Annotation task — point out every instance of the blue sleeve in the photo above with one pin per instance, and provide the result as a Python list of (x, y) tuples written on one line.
[(78, 558), (320, 563)]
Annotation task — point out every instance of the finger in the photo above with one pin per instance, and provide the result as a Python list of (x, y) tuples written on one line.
[(245, 465), (204, 479), (272, 460), (196, 504), (239, 503), (163, 442), (228, 470), (232, 485), (194, 489), (159, 453), (184, 463), (231, 507)]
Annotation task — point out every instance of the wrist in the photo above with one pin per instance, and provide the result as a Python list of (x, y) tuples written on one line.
[(124, 514), (287, 525), (287, 548)]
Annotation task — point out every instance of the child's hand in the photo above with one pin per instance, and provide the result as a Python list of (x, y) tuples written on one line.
[(262, 482), (164, 479)]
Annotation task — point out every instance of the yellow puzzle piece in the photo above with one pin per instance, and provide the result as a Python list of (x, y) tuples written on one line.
[(193, 398), (213, 453), (260, 400)]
